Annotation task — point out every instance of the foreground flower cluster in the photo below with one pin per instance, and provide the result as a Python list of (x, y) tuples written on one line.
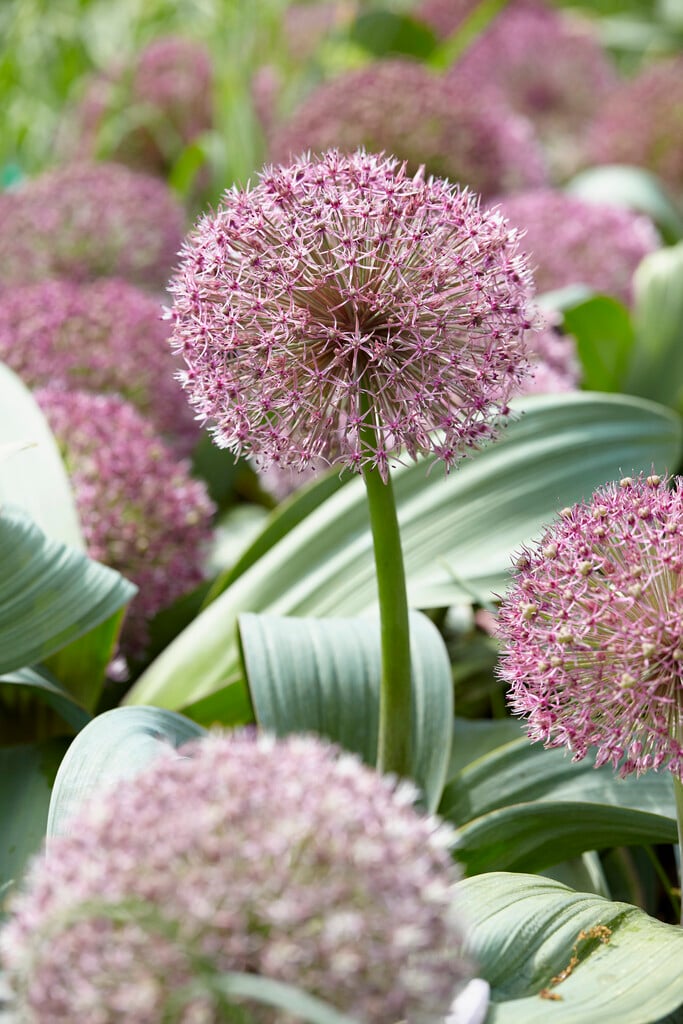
[(343, 309), (592, 628), (287, 859)]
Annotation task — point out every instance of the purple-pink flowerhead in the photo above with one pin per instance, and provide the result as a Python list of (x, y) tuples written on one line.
[(592, 627), (572, 241), (399, 107), (103, 336), (288, 859), (141, 511), (89, 220), (345, 310)]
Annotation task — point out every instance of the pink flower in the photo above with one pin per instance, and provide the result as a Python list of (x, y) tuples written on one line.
[(592, 626), (572, 241), (399, 107), (145, 112), (104, 336), (141, 512), (86, 221), (642, 123), (340, 296), (555, 365), (286, 858)]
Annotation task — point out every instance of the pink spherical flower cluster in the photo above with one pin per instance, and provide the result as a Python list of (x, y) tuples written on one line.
[(555, 365), (89, 220), (288, 859), (642, 123), (592, 628), (345, 310), (104, 336), (145, 113), (140, 510), (399, 107), (545, 66), (572, 241), (445, 16)]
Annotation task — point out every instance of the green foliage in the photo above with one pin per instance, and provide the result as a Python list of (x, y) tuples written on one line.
[(634, 188), (322, 676), (458, 534), (524, 932), (605, 339), (385, 34)]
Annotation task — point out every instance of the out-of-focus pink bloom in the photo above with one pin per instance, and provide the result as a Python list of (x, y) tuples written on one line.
[(89, 220), (288, 859), (141, 511)]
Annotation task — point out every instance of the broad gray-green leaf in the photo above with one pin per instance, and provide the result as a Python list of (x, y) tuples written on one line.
[(296, 1004), (631, 187), (40, 683), (523, 931), (521, 807), (458, 531), (656, 366), (322, 676), (118, 744), (34, 479), (26, 776), (604, 338), (49, 594)]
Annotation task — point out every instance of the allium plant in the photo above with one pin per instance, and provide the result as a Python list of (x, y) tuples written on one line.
[(642, 123), (151, 108), (89, 220), (141, 511), (288, 859), (546, 66), (343, 309), (103, 336), (398, 106), (592, 626), (570, 240), (555, 365)]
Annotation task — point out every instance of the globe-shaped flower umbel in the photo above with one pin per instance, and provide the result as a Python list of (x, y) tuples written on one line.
[(399, 107), (287, 859), (141, 511), (592, 628), (570, 240), (104, 336), (343, 309), (89, 220)]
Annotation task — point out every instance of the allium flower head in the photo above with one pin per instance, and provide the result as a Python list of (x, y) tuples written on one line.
[(642, 123), (338, 296), (398, 106), (89, 220), (103, 336), (555, 364), (150, 108), (287, 859), (592, 628), (545, 66), (570, 240), (140, 510)]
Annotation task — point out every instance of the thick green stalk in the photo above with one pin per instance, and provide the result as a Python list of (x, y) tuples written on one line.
[(678, 796), (395, 719)]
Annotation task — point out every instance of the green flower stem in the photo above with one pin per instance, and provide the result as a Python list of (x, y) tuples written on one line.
[(395, 719), (678, 796)]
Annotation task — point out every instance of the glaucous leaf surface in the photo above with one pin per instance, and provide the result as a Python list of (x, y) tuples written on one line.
[(632, 187)]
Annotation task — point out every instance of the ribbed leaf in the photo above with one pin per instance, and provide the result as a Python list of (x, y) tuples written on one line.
[(322, 676), (523, 931), (458, 531), (49, 594), (656, 367), (26, 776), (521, 807), (40, 683), (116, 745), (34, 478)]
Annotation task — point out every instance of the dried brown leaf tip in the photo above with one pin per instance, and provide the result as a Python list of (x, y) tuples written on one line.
[(599, 932)]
